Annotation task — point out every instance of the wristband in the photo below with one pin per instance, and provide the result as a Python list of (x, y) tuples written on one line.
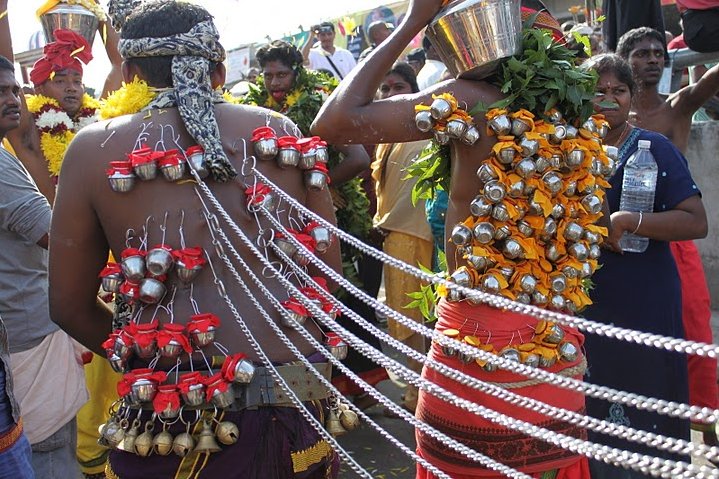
[(639, 223)]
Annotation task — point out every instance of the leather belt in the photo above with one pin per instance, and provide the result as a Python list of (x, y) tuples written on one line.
[(263, 391)]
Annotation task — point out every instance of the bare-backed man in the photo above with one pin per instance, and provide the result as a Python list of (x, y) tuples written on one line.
[(174, 47)]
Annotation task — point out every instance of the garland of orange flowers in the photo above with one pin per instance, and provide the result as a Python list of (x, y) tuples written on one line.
[(56, 127)]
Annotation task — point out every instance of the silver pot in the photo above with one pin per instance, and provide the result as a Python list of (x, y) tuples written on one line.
[(266, 148), (461, 234), (322, 237), (244, 371), (519, 127), (525, 168), (424, 121), (506, 155), (133, 267), (471, 135), (440, 109), (185, 274), (195, 395), (315, 180), (171, 350), (308, 159), (456, 128), (223, 399), (197, 163), (121, 182), (290, 319), (494, 191), (143, 390), (203, 338), (69, 17), (480, 207), (158, 261), (152, 291), (471, 36), (111, 283), (146, 171), (174, 172), (501, 125), (288, 157), (484, 232)]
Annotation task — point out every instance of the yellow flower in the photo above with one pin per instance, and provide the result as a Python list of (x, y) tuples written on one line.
[(36, 102), (54, 147), (230, 98), (292, 98), (129, 99)]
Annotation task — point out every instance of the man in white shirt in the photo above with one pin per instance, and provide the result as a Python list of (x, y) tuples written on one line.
[(433, 68), (327, 56)]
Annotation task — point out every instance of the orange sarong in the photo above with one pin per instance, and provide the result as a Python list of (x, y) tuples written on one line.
[(510, 447)]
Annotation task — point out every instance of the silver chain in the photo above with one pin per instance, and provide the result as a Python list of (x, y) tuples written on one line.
[(474, 455), (629, 335), (644, 463)]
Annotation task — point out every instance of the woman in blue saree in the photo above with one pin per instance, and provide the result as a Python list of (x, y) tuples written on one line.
[(640, 291)]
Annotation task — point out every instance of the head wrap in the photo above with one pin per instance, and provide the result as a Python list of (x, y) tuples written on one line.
[(66, 52), (545, 21), (191, 54)]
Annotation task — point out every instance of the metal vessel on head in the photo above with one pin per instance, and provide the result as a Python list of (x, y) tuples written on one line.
[(472, 36), (69, 17)]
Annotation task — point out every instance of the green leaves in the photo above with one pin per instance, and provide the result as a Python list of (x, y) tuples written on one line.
[(544, 76), (431, 168)]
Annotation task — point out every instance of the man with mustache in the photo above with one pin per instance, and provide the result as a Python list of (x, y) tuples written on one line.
[(671, 116), (15, 457)]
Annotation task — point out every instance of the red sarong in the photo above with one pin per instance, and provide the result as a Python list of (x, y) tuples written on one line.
[(696, 317), (510, 447)]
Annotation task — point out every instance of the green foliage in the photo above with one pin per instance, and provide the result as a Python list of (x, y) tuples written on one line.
[(545, 76), (431, 168), (426, 298)]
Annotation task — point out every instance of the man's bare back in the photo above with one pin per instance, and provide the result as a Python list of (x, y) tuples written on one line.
[(95, 218)]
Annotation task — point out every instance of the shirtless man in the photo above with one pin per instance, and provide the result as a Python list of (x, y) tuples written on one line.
[(672, 116), (62, 84), (91, 219), (352, 114)]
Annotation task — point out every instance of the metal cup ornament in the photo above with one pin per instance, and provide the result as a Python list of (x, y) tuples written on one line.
[(553, 182), (525, 168), (322, 154), (288, 154), (144, 383), (449, 350), (480, 206), (470, 136), (296, 314), (513, 249), (559, 135), (592, 204), (264, 143), (542, 164), (112, 278), (196, 161), (259, 196), (337, 347), (167, 401), (456, 128), (238, 369), (144, 163), (501, 125), (321, 236), (500, 213), (529, 146), (144, 337), (192, 388), (574, 158), (517, 189), (308, 152), (579, 251), (494, 191), (172, 166), (441, 108), (218, 391), (202, 328), (486, 173), (461, 234), (612, 152), (573, 231), (317, 178), (502, 233), (484, 232), (121, 177), (441, 136), (188, 263), (506, 155), (520, 127), (173, 341), (152, 290), (133, 264), (568, 352), (424, 120), (159, 260)]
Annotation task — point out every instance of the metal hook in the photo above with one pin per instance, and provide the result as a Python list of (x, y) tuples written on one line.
[(182, 225)]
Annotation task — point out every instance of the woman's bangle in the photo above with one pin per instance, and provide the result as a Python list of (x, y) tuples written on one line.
[(639, 223)]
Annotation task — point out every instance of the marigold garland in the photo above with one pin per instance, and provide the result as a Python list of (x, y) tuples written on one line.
[(56, 127), (127, 100)]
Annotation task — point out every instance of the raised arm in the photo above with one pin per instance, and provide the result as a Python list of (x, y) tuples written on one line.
[(111, 39), (355, 160), (352, 116), (690, 98), (307, 47)]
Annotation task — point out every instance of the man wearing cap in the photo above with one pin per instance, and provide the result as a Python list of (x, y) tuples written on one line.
[(172, 104), (327, 55), (377, 32)]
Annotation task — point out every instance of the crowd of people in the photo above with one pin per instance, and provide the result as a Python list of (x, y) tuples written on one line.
[(190, 278)]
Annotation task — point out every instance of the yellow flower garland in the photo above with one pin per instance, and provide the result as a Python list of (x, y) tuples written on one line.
[(54, 145), (129, 99)]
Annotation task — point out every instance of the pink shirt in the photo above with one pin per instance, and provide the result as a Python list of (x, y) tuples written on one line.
[(697, 4)]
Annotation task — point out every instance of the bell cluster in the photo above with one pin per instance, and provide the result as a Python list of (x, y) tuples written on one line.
[(531, 236), (145, 164), (170, 402), (308, 154)]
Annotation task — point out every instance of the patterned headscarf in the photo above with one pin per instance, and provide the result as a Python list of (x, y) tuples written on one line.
[(192, 91), (66, 52)]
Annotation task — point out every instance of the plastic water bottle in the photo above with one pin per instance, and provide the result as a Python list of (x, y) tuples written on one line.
[(638, 187)]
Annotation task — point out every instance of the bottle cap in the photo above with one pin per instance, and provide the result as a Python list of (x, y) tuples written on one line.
[(645, 144)]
